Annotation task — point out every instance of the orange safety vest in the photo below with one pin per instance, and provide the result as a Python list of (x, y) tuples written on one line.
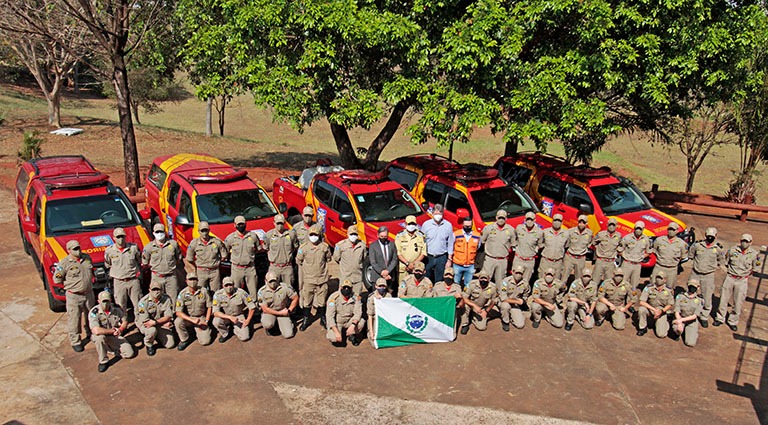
[(465, 251)]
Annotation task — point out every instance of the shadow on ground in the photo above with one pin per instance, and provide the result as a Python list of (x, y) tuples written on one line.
[(285, 160)]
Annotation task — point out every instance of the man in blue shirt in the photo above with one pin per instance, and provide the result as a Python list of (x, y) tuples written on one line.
[(440, 238)]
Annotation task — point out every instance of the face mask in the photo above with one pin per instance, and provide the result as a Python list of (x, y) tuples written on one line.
[(467, 229), (671, 233), (638, 233), (381, 290), (346, 291), (549, 278), (193, 284), (448, 280), (205, 235), (483, 283), (710, 239), (353, 238), (744, 245), (529, 224), (501, 221), (272, 284), (418, 276), (611, 228), (159, 236), (618, 279), (437, 217), (691, 289), (410, 228), (120, 242), (229, 289), (75, 253), (314, 238), (240, 228), (105, 305), (307, 219), (384, 240), (557, 225), (156, 293), (582, 225), (518, 277), (659, 281), (585, 279), (279, 227)]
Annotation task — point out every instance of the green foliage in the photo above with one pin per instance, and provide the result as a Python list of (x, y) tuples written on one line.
[(30, 146)]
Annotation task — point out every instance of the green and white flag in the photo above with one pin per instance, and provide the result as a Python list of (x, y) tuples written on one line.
[(405, 321)]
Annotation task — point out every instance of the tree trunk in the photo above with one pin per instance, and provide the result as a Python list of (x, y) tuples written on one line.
[(54, 108), (221, 115), (209, 117), (123, 95), (510, 148), (385, 135), (346, 152)]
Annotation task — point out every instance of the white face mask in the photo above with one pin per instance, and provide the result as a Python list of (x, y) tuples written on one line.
[(314, 238), (353, 238), (410, 228), (437, 217), (159, 236)]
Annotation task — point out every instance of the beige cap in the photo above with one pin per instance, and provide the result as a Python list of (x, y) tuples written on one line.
[(673, 226), (583, 218), (239, 220), (618, 272), (550, 271), (531, 215), (381, 282), (694, 282), (308, 211), (227, 281), (483, 274), (518, 269), (586, 272), (155, 285), (346, 283), (270, 277), (639, 224), (158, 228), (411, 219), (315, 229), (557, 217), (191, 276), (73, 244), (746, 237), (612, 221), (661, 274), (119, 231), (711, 231), (352, 230), (501, 214), (105, 296), (279, 219), (203, 226), (448, 272), (418, 266)]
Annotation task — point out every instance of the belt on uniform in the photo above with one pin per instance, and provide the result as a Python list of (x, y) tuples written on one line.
[(733, 276), (666, 267), (207, 268), (243, 266), (576, 256), (77, 293), (633, 262), (525, 258), (605, 258), (162, 274), (124, 279), (281, 264), (552, 259), (495, 258), (703, 273)]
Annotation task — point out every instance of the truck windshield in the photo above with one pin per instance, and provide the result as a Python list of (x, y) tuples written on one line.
[(509, 198), (620, 198), (386, 206), (223, 207), (87, 214)]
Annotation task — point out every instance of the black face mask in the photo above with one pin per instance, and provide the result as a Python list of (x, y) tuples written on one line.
[(710, 239), (418, 276), (240, 228), (448, 280), (381, 291), (346, 291), (483, 283), (691, 289), (467, 229)]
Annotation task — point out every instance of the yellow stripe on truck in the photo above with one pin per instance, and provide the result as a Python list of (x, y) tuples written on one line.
[(57, 248)]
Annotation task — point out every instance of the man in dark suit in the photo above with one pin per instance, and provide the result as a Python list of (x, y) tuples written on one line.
[(383, 256)]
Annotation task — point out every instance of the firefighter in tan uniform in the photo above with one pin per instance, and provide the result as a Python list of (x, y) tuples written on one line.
[(75, 272), (350, 254), (634, 247), (155, 319), (123, 260), (107, 323), (544, 295), (499, 239), (528, 236), (281, 245), (277, 301), (242, 246), (416, 285), (582, 300), (552, 246), (656, 301), (688, 307), (606, 250), (205, 254), (313, 258), (193, 311), (513, 294), (381, 290), (479, 299), (302, 229), (741, 261), (344, 316), (411, 245), (615, 296), (578, 243), (229, 305), (706, 256), (669, 251), (448, 288), (163, 257)]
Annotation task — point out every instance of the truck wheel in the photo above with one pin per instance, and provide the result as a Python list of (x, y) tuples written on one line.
[(24, 242), (369, 275), (55, 305)]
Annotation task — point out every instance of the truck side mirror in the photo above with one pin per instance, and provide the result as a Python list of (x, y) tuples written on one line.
[(425, 206), (462, 213), (145, 214), (183, 220), (347, 218), (586, 209), (29, 226), (282, 207)]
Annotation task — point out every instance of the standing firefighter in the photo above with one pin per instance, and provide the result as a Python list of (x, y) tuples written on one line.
[(163, 257), (123, 260), (75, 271), (499, 239), (741, 261), (313, 258), (205, 255), (242, 246)]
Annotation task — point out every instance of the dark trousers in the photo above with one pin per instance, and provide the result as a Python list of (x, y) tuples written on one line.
[(435, 267)]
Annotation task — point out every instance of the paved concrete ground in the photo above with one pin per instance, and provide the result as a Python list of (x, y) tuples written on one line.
[(528, 376)]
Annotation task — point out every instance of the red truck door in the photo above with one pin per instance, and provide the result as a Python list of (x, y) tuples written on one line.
[(183, 232), (330, 203), (574, 199)]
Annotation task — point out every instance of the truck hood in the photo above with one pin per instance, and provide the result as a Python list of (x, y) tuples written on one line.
[(656, 222), (95, 243), (221, 231), (371, 230)]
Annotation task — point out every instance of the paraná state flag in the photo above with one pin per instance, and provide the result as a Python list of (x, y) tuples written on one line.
[(405, 321)]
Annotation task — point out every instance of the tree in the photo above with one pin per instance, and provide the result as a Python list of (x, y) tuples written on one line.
[(47, 42)]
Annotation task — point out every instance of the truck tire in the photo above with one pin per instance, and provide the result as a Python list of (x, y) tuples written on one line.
[(55, 305), (369, 276), (24, 242)]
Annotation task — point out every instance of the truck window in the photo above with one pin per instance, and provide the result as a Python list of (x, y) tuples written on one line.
[(21, 183), (575, 196), (38, 213), (515, 173), (434, 192), (341, 203), (157, 176), (551, 187), (323, 192), (456, 200), (185, 206), (173, 194), (405, 178), (31, 199)]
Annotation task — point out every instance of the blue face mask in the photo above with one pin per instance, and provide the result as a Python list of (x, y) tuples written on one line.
[(381, 290)]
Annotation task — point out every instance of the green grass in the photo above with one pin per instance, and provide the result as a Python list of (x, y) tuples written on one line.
[(629, 155)]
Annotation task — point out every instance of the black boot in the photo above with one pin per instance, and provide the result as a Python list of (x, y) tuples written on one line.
[(321, 313), (305, 322)]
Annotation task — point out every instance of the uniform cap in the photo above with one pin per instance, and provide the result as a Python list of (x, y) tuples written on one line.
[(270, 277), (661, 274), (73, 244), (352, 230), (587, 272), (518, 269), (105, 296), (279, 219), (583, 218), (315, 229), (191, 276), (673, 226), (482, 274), (531, 215), (711, 231), (557, 217), (550, 271), (694, 282), (383, 229), (618, 272), (346, 283), (119, 231), (418, 266), (239, 220), (612, 221), (501, 214), (746, 237), (203, 226), (158, 228), (639, 224), (227, 281), (308, 210), (448, 272), (411, 219), (381, 282), (155, 285)]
